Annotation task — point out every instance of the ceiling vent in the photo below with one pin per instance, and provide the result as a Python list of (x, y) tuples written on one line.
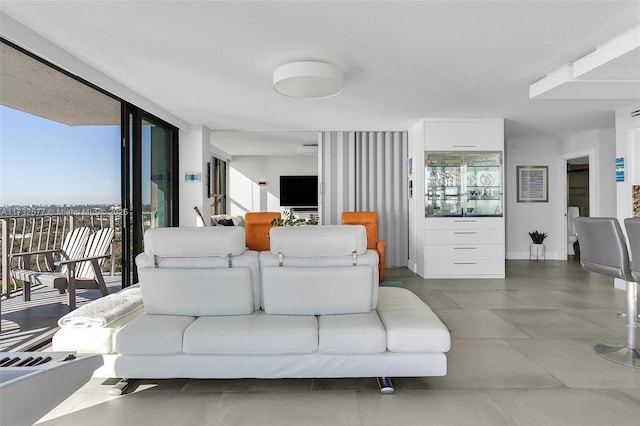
[(308, 149)]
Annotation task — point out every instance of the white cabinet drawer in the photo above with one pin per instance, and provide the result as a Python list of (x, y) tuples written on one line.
[(445, 268), (464, 223), (463, 236), (464, 252)]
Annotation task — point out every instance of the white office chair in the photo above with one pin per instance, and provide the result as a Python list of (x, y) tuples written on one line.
[(603, 250)]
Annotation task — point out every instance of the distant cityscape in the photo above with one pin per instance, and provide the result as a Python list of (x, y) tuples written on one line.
[(54, 209)]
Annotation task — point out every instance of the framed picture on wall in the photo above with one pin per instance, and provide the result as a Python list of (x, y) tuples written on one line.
[(410, 167), (410, 192), (532, 184)]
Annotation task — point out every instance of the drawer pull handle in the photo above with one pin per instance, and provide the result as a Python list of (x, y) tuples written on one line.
[(465, 263), (465, 248), (465, 233)]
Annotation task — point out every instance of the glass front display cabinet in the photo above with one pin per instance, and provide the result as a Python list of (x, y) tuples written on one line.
[(463, 184)]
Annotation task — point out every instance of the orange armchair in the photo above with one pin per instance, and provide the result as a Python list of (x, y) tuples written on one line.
[(370, 222), (256, 229)]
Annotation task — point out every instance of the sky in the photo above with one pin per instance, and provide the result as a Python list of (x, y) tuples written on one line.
[(46, 162)]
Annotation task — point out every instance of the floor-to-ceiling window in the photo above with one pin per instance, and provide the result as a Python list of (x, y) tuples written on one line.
[(150, 187), (68, 146)]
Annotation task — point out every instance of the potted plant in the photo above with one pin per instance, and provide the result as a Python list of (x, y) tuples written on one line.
[(536, 249)]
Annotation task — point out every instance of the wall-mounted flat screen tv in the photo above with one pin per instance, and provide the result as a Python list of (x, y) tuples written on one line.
[(299, 191)]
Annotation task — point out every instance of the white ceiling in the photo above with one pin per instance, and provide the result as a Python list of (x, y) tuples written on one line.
[(211, 62)]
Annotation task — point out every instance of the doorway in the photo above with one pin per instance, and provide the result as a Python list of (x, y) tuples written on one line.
[(576, 189), (577, 200), (578, 184)]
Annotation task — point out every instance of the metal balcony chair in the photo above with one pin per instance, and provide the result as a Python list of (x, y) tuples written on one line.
[(603, 250)]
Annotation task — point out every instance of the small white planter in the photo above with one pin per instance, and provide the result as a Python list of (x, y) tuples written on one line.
[(536, 251)]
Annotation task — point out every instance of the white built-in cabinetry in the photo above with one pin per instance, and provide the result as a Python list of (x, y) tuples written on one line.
[(465, 236)]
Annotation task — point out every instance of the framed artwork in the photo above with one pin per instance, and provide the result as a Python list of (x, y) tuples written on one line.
[(410, 187), (410, 167), (532, 184), (635, 199)]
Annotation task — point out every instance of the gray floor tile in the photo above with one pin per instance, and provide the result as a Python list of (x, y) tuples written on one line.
[(477, 324), (434, 298), (574, 362), (574, 299), (489, 363), (607, 318), (289, 408), (552, 323), (420, 407), (634, 394), (486, 299), (143, 408), (567, 407)]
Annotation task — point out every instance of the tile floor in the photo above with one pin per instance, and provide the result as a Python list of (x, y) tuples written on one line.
[(521, 355)]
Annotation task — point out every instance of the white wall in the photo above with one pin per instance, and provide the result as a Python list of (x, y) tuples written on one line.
[(522, 218), (549, 217), (627, 147), (193, 156), (246, 195)]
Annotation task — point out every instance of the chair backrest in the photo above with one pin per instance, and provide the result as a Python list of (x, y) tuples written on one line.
[(74, 245), (97, 245), (602, 247), (257, 226), (370, 222), (75, 242), (633, 233)]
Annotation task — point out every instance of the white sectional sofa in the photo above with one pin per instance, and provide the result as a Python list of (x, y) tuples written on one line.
[(310, 307)]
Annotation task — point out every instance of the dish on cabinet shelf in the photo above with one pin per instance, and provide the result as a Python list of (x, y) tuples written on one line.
[(486, 179)]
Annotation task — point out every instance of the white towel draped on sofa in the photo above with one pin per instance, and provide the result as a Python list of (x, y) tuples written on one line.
[(104, 311)]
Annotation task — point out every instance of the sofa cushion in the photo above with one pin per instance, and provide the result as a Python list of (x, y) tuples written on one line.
[(317, 291), (351, 334), (197, 292), (152, 335), (411, 325), (318, 241), (257, 334)]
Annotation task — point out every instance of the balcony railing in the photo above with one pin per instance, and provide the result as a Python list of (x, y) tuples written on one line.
[(36, 232)]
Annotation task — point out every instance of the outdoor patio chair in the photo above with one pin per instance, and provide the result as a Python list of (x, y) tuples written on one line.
[(27, 271), (83, 272)]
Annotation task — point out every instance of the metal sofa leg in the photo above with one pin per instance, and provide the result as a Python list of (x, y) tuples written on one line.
[(120, 387), (386, 386)]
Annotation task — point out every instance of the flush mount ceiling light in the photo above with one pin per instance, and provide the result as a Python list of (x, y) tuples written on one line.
[(307, 80)]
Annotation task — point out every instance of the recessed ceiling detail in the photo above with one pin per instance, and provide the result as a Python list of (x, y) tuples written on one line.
[(611, 71), (308, 80)]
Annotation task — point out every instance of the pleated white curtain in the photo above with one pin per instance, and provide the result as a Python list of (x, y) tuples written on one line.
[(367, 171)]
